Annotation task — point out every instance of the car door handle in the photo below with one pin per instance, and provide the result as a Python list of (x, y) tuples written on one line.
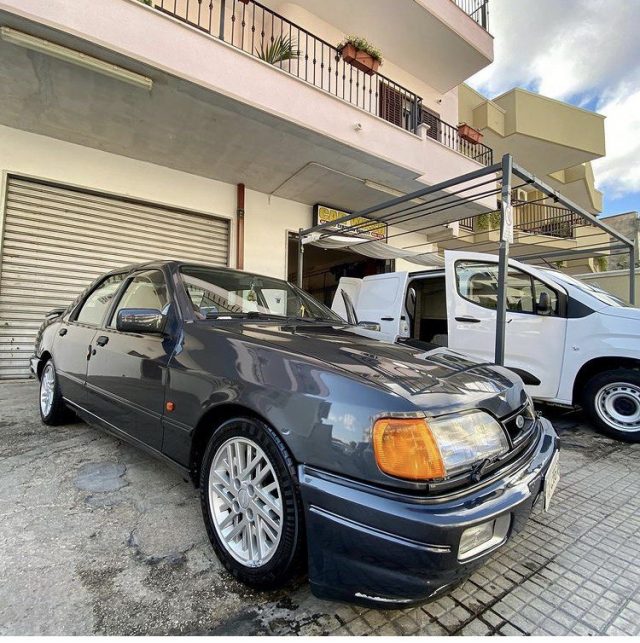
[(102, 340), (62, 332), (386, 318), (468, 320)]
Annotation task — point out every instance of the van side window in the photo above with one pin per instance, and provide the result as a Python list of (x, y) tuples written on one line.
[(477, 282)]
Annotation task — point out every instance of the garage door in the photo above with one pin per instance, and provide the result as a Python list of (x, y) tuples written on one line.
[(56, 240)]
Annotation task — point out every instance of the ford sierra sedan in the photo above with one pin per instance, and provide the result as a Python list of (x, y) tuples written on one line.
[(388, 472)]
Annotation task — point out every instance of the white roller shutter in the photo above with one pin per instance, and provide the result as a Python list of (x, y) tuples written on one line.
[(56, 240)]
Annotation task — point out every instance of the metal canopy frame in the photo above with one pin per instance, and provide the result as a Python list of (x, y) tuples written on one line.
[(421, 206)]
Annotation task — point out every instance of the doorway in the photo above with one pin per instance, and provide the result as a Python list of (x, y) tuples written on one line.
[(323, 268)]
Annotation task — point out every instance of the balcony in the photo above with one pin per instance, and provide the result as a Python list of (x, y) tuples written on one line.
[(216, 109), (269, 36), (478, 10), (532, 218)]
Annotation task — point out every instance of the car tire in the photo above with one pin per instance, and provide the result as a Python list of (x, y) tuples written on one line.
[(53, 410), (251, 503), (612, 401)]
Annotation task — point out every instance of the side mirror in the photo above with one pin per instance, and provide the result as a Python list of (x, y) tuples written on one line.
[(140, 320), (543, 307), (369, 325)]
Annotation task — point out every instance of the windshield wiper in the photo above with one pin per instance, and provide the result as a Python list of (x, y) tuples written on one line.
[(251, 314), (317, 319)]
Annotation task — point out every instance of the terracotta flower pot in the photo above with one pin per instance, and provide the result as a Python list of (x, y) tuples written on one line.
[(360, 59), (467, 133)]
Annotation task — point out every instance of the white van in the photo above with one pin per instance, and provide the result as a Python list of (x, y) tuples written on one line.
[(572, 343)]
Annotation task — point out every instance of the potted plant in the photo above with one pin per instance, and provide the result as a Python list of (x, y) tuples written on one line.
[(469, 134), (280, 49), (361, 54)]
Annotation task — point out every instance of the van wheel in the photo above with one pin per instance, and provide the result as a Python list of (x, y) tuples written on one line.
[(251, 505), (612, 400)]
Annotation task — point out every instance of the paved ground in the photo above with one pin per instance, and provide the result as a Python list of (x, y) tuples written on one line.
[(96, 537)]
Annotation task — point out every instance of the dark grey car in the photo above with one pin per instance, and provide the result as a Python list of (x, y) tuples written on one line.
[(390, 472)]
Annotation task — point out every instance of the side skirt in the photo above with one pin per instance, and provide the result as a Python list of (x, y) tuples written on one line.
[(99, 423)]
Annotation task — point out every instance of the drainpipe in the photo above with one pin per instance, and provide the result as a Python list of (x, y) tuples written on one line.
[(240, 227)]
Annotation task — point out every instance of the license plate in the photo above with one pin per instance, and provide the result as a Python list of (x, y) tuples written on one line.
[(551, 480)]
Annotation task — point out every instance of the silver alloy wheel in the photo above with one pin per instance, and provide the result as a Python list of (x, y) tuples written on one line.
[(245, 500), (618, 405), (47, 388)]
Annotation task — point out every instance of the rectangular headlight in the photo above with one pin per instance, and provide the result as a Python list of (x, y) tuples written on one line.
[(434, 449), (467, 439)]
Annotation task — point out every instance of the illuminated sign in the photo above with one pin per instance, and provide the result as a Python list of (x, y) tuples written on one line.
[(358, 226)]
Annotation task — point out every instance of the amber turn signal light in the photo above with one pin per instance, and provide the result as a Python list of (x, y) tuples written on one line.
[(405, 448)]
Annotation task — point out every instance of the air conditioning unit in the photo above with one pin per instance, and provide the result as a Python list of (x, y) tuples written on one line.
[(521, 195)]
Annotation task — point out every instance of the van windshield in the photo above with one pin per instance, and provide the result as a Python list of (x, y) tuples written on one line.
[(600, 294), (218, 293)]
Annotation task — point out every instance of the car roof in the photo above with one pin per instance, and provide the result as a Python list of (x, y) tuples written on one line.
[(175, 264)]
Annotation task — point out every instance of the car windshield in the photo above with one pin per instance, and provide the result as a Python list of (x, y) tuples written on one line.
[(600, 294), (218, 293)]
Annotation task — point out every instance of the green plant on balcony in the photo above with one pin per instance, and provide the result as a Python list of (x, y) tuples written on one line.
[(360, 53), (487, 221), (281, 48), (601, 263), (149, 3)]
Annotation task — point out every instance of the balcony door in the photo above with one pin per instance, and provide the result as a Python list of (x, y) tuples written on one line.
[(432, 119), (395, 106)]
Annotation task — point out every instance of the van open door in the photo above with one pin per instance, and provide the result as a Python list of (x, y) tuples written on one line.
[(351, 286), (378, 299), (536, 318)]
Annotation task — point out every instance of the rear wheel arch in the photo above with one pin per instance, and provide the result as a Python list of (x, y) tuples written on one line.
[(213, 419), (597, 366)]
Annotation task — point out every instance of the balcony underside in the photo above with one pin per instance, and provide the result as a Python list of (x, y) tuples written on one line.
[(188, 127)]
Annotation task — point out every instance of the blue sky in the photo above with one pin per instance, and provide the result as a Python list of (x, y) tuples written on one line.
[(584, 52)]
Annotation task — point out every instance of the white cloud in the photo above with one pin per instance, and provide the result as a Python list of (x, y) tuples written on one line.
[(619, 170), (585, 51)]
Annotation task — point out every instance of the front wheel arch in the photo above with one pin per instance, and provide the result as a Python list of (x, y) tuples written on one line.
[(212, 420), (597, 366)]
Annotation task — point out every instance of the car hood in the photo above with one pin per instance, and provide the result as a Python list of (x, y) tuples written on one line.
[(633, 314), (436, 381)]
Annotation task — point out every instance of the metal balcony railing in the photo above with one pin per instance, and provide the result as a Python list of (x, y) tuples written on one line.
[(534, 218), (549, 220), (476, 9), (265, 34), (448, 135)]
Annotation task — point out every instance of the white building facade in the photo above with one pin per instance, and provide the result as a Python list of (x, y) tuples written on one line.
[(131, 132)]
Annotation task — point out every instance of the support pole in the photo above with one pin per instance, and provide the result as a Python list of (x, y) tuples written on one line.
[(633, 259), (506, 233), (300, 258)]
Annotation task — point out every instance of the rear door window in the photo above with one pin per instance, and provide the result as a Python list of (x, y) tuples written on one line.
[(97, 303)]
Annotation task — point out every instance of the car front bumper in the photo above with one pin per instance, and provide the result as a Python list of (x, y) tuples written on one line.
[(389, 550)]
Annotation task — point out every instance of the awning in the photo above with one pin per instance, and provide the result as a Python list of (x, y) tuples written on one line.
[(375, 249)]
